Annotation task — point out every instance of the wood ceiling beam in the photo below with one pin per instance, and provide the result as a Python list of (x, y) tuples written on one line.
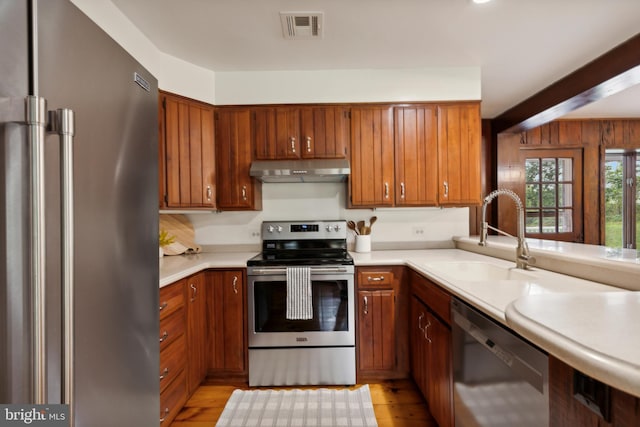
[(612, 72)]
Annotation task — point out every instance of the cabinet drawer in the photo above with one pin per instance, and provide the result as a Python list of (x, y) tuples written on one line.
[(172, 399), (439, 301), (375, 278), (172, 361), (171, 298), (171, 328)]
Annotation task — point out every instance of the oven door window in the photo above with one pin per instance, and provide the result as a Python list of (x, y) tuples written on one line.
[(330, 307)]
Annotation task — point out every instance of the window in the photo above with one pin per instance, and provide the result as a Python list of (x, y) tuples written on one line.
[(553, 194), (621, 199)]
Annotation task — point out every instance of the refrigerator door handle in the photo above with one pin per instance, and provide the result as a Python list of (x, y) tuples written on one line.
[(62, 122), (35, 118)]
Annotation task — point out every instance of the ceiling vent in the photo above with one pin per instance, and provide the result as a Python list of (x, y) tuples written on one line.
[(301, 25)]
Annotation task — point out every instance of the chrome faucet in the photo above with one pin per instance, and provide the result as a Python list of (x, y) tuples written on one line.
[(523, 259)]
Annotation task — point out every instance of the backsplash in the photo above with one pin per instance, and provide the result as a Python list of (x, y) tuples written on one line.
[(395, 227)]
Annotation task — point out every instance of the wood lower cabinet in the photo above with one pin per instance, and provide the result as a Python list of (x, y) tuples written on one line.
[(187, 141), (566, 411), (459, 154), (431, 344), (381, 340), (227, 318), (236, 189), (197, 328), (173, 351)]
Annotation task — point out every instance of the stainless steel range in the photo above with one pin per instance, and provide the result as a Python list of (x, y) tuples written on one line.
[(301, 306)]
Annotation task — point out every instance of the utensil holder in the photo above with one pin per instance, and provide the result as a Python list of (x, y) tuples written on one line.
[(363, 243)]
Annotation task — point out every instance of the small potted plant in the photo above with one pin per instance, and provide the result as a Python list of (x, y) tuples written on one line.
[(164, 239)]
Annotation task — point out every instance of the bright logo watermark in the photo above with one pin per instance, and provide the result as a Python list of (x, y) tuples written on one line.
[(34, 415)]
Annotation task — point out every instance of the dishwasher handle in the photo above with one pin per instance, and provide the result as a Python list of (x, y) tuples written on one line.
[(533, 372)]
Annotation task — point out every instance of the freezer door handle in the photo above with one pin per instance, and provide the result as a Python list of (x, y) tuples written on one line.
[(62, 122)]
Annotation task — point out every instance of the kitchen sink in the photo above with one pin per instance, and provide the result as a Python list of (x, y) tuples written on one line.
[(479, 272)]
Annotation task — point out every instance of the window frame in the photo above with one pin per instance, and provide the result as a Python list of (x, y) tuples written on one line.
[(629, 159), (576, 154)]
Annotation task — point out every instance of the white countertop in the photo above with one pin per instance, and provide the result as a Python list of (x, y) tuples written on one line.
[(588, 325), (174, 268)]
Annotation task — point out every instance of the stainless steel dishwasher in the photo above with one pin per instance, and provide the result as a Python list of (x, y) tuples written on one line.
[(499, 378)]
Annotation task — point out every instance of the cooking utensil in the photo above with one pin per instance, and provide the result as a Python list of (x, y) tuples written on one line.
[(360, 225), (372, 220), (352, 226)]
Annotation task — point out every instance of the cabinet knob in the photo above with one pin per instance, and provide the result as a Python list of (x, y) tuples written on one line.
[(164, 336), (209, 193), (386, 190), (365, 307), (402, 190), (166, 412), (164, 374), (446, 189), (308, 144), (163, 305), (235, 284), (293, 144), (244, 193)]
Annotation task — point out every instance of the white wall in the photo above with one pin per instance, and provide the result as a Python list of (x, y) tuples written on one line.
[(391, 85), (173, 74), (326, 201)]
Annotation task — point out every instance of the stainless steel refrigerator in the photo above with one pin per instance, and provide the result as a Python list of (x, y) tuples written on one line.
[(77, 112)]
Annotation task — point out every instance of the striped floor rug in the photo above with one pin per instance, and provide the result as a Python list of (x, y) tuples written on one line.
[(299, 408)]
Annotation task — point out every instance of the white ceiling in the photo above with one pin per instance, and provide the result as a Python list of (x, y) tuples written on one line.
[(521, 46)]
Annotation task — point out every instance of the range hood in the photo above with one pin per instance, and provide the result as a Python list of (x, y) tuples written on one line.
[(316, 170)]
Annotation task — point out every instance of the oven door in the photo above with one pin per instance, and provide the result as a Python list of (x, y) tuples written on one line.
[(333, 321)]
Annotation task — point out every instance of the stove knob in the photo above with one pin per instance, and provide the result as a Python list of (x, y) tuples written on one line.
[(270, 229), (337, 227), (279, 229), (328, 228)]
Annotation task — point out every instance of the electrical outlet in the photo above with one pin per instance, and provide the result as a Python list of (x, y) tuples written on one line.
[(255, 234), (417, 231)]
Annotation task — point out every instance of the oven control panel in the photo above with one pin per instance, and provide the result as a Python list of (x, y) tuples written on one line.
[(297, 230)]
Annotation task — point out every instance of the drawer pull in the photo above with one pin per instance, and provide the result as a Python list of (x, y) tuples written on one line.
[(293, 144), (164, 305), (164, 336), (166, 412), (366, 305), (235, 284), (164, 373), (375, 279)]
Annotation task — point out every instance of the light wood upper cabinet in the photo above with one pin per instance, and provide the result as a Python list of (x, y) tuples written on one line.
[(324, 132), (371, 183), (416, 153), (236, 189), (459, 151), (187, 141)]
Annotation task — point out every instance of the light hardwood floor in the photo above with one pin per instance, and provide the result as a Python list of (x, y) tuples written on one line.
[(397, 403)]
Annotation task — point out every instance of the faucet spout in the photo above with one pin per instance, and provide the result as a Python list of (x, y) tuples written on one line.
[(523, 258)]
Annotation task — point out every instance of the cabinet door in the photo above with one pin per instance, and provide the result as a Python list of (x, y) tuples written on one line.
[(376, 330), (196, 331), (416, 153), (324, 132), (276, 133), (227, 314), (236, 189), (440, 387), (417, 345), (371, 180), (189, 150), (459, 154)]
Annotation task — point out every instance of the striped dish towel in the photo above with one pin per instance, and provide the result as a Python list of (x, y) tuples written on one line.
[(299, 296)]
